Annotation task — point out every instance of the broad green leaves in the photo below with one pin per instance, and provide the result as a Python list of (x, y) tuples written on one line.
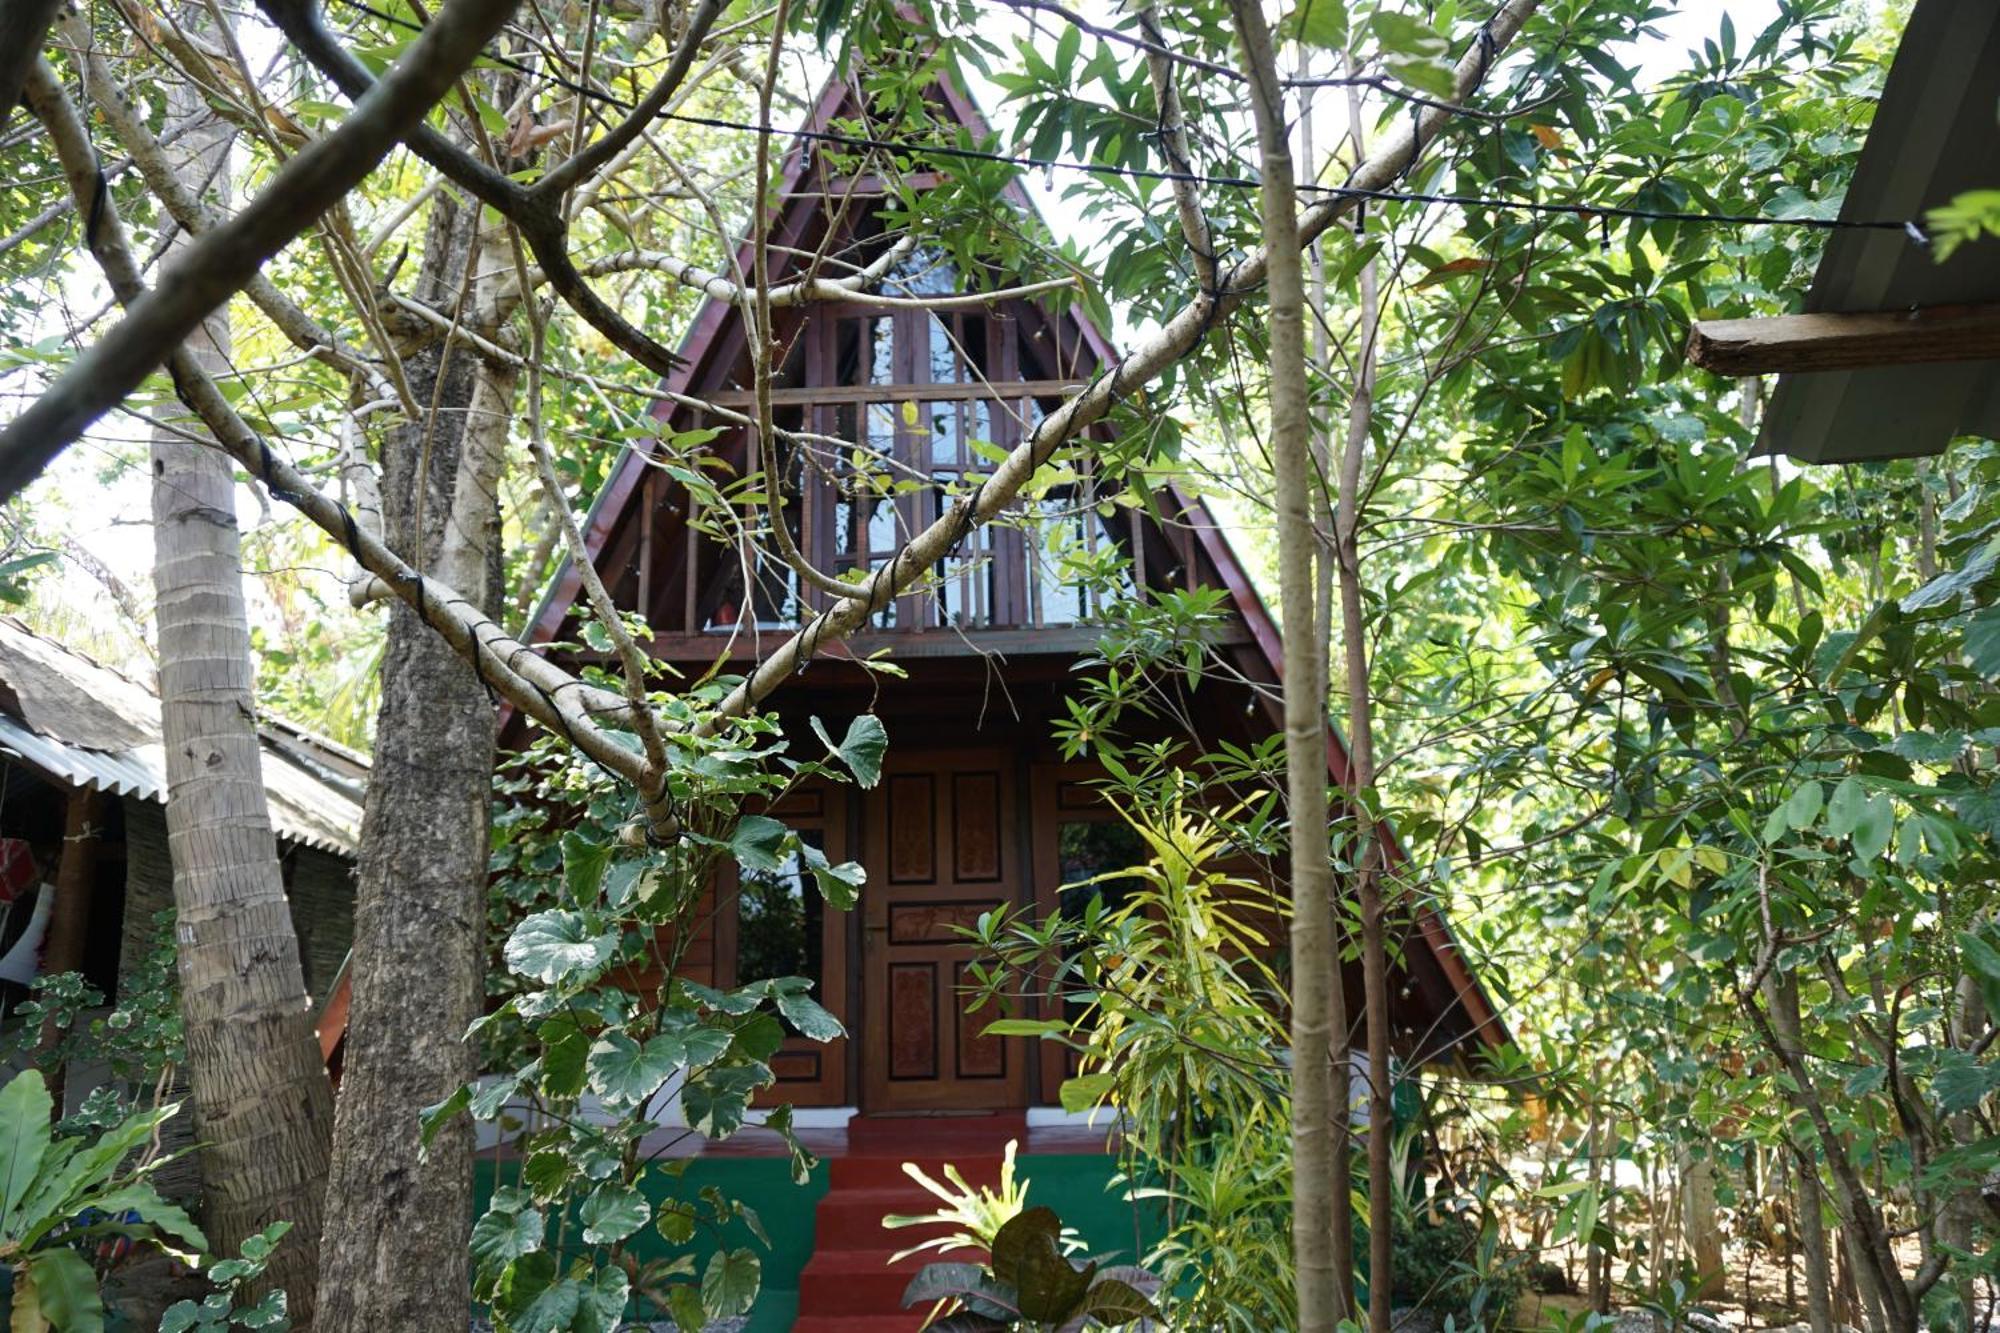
[(861, 749), (626, 1073), (559, 945), (1414, 51)]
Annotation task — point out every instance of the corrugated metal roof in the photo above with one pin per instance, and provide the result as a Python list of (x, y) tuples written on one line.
[(56, 688), (1933, 138)]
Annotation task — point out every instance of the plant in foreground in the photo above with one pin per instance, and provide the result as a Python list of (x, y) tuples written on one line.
[(977, 1212), (58, 1195), (1030, 1284)]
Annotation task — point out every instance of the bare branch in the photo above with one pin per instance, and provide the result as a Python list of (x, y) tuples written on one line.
[(209, 271)]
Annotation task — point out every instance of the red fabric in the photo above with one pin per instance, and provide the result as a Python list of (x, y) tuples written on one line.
[(17, 868)]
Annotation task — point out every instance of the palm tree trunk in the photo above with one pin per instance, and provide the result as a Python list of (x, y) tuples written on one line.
[(262, 1102)]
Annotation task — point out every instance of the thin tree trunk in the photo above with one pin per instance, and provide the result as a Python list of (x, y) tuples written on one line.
[(1596, 1289), (1323, 637), (1315, 969), (69, 916), (1812, 1242), (398, 1223), (261, 1097), (1885, 1297), (1701, 1221)]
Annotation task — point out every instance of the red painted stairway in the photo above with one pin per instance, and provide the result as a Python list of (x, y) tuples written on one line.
[(849, 1286)]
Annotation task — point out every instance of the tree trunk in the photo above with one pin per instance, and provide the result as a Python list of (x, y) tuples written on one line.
[(262, 1102), (1315, 966), (398, 1224), (1700, 1222), (69, 917), (1812, 1242)]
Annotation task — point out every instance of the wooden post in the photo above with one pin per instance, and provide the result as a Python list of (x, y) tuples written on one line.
[(69, 914)]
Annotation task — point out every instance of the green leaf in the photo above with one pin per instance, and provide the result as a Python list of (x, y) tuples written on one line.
[(1414, 52), (565, 1051), (805, 1014), (552, 1311), (1112, 1302), (839, 884), (758, 843), (25, 1107), (1844, 807), (66, 1289), (1874, 827), (545, 1172), (1960, 1086), (729, 1283), (1321, 23), (1804, 805), (163, 1216), (1935, 750), (1085, 1092), (504, 1235), (1949, 587), (1982, 642), (674, 1223), (584, 863), (1982, 961), (715, 1113), (862, 748), (434, 1118), (559, 945), (613, 1212), (625, 1073), (180, 1317), (601, 1301), (1025, 1027)]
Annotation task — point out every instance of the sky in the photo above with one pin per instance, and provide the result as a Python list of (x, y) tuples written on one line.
[(111, 518)]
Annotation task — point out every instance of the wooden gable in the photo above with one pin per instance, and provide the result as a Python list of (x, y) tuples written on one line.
[(924, 396)]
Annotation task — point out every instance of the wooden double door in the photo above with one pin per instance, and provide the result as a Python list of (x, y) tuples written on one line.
[(942, 845)]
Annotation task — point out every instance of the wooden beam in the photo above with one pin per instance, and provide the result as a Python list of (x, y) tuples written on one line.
[(1792, 343), (1001, 390)]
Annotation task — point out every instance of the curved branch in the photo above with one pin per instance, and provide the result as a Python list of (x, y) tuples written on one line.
[(212, 269)]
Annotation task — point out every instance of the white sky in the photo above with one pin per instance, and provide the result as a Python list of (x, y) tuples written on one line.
[(112, 521)]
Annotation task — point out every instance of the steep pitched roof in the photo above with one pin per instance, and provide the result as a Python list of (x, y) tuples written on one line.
[(714, 344)]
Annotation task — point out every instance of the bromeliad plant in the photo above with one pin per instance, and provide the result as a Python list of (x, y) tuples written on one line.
[(977, 1213), (600, 1029), (1030, 1284), (61, 1197)]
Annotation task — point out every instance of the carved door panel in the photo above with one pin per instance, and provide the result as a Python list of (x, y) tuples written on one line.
[(941, 849)]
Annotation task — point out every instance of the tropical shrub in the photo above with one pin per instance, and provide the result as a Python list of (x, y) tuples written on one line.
[(232, 1304), (1175, 1017), (597, 1029), (1029, 1284), (61, 1196)]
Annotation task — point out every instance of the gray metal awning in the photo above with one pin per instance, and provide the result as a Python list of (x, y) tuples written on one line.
[(1936, 135), (85, 725)]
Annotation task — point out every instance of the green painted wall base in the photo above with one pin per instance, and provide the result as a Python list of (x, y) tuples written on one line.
[(1075, 1185)]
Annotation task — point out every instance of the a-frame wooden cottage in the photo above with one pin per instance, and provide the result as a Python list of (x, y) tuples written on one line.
[(976, 808)]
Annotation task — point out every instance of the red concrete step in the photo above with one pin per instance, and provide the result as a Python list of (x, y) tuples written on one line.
[(908, 1321), (855, 1281), (847, 1216)]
